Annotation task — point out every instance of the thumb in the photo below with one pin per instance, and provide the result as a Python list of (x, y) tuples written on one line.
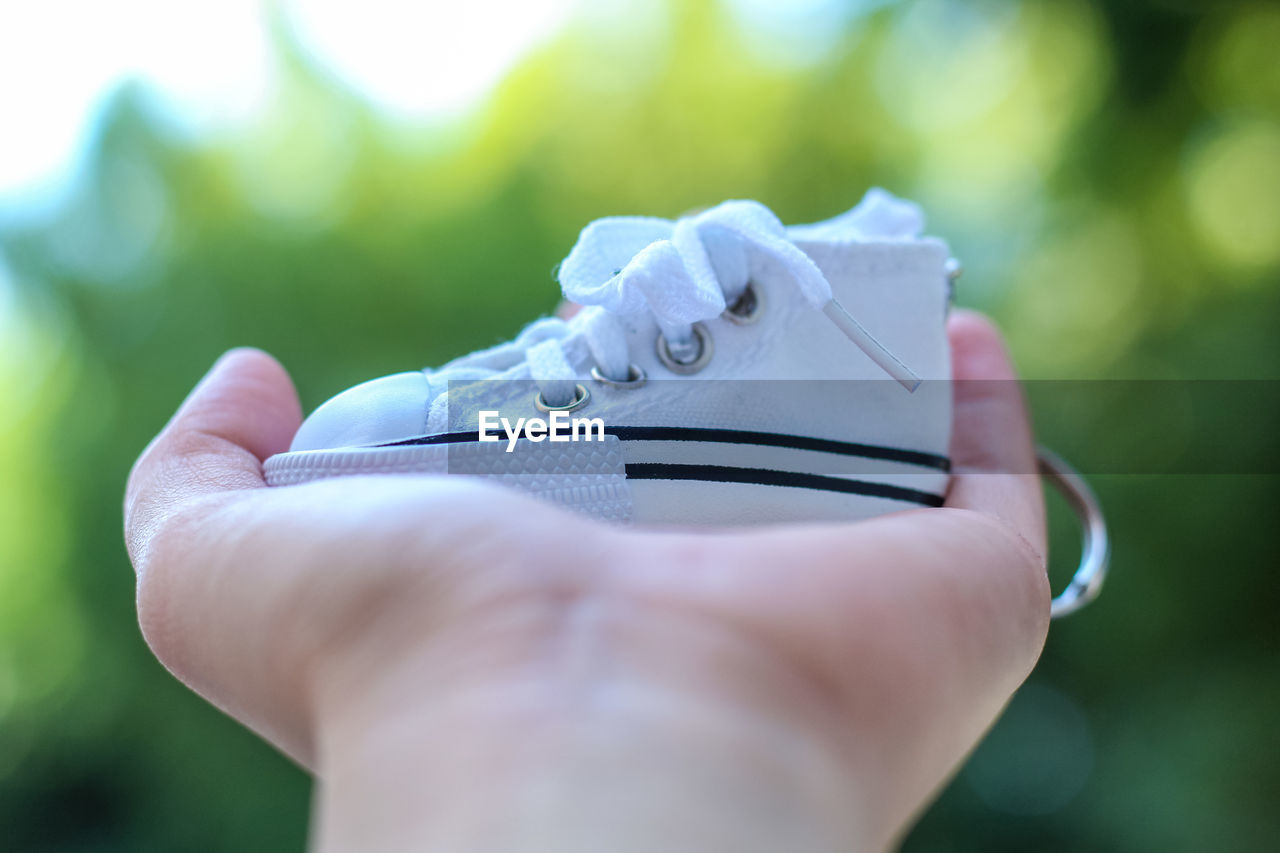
[(244, 410), (992, 451)]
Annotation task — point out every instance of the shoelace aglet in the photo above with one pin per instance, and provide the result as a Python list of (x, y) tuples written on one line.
[(867, 342)]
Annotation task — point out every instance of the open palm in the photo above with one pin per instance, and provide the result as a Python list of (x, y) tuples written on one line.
[(873, 654)]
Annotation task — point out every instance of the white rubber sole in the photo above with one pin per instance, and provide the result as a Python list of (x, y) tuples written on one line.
[(663, 475)]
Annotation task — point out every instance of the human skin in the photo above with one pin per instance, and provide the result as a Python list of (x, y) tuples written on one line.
[(464, 669)]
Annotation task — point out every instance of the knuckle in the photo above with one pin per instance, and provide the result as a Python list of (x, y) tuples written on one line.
[(186, 445)]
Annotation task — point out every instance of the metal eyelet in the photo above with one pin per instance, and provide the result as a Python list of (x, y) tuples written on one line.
[(746, 309), (705, 349), (580, 398), (953, 270), (635, 377)]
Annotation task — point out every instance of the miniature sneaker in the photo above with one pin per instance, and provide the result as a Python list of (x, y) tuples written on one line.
[(725, 369)]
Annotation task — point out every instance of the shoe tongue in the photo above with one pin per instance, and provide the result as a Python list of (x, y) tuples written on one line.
[(879, 216)]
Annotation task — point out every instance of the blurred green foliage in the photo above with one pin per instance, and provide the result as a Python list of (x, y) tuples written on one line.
[(1108, 171)]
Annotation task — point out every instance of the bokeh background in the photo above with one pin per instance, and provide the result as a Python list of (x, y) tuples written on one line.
[(365, 188)]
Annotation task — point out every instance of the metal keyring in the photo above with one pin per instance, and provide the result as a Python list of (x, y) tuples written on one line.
[(1095, 547)]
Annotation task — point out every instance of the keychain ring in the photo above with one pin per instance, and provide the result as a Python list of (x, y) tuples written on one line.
[(1095, 546)]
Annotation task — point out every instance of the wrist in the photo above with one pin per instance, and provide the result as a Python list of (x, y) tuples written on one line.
[(609, 737)]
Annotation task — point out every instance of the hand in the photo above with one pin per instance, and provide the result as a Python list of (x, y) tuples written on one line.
[(465, 668)]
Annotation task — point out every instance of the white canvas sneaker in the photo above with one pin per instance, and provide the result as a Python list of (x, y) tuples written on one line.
[(725, 369)]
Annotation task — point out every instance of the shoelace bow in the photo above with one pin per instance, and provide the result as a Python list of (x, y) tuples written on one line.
[(683, 272)]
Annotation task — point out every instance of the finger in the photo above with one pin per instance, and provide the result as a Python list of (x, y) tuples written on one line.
[(244, 410), (992, 449)]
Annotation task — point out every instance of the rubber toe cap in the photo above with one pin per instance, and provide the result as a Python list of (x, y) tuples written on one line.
[(375, 412)]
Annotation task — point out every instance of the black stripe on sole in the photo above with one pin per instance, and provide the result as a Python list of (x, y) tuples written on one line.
[(728, 436), (770, 477), (773, 439)]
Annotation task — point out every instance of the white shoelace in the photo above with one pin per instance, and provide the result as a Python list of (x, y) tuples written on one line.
[(683, 272)]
